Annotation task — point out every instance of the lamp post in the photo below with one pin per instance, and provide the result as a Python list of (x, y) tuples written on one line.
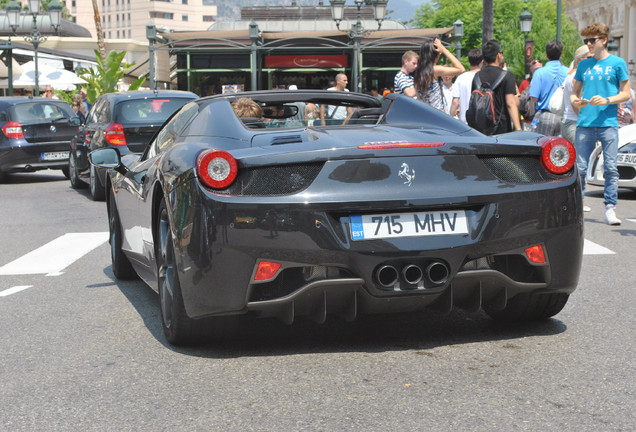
[(254, 38), (458, 31), (35, 37), (151, 35), (525, 22), (630, 65), (13, 14), (357, 31)]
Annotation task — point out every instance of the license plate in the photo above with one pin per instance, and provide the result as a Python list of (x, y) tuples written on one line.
[(51, 156), (364, 227), (626, 158)]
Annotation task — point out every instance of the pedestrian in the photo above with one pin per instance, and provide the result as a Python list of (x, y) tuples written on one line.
[(48, 92), (427, 77), (447, 92), (544, 83), (376, 94), (570, 112), (79, 108), (600, 83), (464, 82), (527, 108), (534, 65), (505, 95), (336, 112), (403, 81), (87, 106)]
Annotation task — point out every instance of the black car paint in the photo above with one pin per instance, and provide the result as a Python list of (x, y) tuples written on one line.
[(40, 136), (217, 257)]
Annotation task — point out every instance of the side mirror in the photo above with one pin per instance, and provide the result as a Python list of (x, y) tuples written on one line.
[(107, 158)]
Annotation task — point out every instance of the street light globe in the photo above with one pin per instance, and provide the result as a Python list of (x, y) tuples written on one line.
[(13, 14), (34, 6), (55, 13), (525, 20)]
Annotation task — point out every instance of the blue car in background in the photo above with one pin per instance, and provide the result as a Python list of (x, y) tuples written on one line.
[(36, 134)]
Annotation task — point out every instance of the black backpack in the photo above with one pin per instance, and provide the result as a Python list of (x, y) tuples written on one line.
[(481, 113)]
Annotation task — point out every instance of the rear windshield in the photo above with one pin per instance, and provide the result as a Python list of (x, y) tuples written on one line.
[(147, 110), (36, 111)]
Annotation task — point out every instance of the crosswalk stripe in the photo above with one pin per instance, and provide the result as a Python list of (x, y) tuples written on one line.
[(14, 290), (56, 255), (591, 248)]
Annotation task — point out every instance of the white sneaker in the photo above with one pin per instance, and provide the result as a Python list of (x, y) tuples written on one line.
[(587, 208), (610, 217)]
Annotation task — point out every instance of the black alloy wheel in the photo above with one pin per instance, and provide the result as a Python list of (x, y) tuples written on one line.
[(76, 183), (122, 268), (177, 326), (96, 188)]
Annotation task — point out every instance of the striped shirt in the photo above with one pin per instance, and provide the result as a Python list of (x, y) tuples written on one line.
[(402, 81)]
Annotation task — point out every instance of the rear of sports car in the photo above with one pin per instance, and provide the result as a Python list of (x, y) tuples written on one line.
[(380, 219)]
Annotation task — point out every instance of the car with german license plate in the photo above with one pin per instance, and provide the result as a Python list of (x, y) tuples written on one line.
[(626, 160), (126, 120), (394, 208), (36, 134)]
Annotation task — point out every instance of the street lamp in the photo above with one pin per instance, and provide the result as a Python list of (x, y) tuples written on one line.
[(631, 67), (458, 31), (35, 37), (525, 22), (357, 31)]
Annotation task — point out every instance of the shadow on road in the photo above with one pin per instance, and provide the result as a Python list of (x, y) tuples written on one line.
[(246, 336)]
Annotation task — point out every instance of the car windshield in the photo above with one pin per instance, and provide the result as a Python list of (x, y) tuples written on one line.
[(37, 111), (153, 110)]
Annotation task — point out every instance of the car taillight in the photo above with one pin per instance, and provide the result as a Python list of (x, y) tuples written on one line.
[(13, 130), (557, 155), (115, 134), (216, 168)]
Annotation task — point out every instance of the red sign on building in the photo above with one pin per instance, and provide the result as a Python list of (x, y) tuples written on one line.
[(308, 61)]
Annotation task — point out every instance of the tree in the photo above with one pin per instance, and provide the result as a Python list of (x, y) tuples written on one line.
[(107, 75), (100, 33), (443, 13)]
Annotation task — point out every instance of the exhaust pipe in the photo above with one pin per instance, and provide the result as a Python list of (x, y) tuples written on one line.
[(387, 276), (412, 274), (437, 272)]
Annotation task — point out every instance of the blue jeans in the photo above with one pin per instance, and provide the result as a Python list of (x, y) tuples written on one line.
[(586, 138)]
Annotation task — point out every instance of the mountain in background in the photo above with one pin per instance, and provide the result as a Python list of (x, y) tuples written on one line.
[(229, 10)]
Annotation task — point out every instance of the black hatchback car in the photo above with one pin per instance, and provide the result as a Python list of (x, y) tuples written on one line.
[(36, 133), (126, 121)]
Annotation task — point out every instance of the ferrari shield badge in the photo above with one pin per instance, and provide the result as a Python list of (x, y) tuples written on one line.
[(407, 174)]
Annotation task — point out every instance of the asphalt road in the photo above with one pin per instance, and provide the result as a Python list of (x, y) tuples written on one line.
[(82, 351)]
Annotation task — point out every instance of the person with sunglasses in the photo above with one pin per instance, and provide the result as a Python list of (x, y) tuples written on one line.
[(600, 83)]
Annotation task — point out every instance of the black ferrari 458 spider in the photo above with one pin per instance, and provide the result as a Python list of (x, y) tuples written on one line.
[(382, 207)]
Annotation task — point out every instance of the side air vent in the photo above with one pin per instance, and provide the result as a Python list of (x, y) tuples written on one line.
[(519, 169), (287, 140), (274, 180)]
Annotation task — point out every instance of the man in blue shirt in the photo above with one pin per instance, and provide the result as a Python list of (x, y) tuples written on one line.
[(544, 83), (600, 84)]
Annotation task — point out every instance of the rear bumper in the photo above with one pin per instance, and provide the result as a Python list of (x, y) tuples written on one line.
[(324, 271), (29, 158)]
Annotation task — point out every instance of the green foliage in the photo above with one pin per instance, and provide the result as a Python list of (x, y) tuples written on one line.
[(105, 77), (443, 13)]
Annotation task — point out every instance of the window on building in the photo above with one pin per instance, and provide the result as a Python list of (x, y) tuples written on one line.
[(163, 15), (184, 17), (208, 18)]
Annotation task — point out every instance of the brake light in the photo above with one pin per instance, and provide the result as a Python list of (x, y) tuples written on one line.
[(557, 155), (535, 254), (13, 130), (115, 134), (216, 168), (266, 270)]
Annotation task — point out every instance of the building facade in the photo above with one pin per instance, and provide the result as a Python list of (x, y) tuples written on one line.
[(127, 19)]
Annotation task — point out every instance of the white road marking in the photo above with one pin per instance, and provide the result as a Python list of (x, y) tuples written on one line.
[(591, 248), (55, 256), (631, 220), (14, 290)]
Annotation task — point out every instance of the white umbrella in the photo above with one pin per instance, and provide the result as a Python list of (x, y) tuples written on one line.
[(59, 79)]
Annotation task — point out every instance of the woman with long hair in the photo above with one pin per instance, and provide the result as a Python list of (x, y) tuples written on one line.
[(428, 74)]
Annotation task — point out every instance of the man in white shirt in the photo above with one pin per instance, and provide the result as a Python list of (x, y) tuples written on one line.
[(463, 84), (333, 112)]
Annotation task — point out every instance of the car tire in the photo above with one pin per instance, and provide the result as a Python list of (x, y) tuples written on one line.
[(178, 328), (529, 307), (97, 190), (73, 176), (66, 172), (122, 268)]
